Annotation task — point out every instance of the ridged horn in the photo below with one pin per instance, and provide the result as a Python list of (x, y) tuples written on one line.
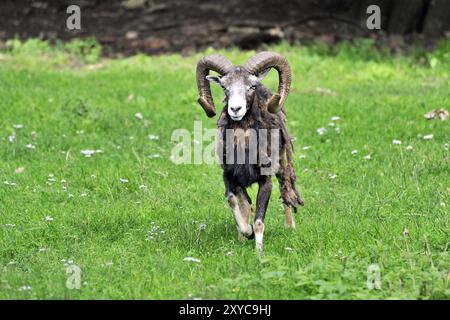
[(215, 63), (264, 60)]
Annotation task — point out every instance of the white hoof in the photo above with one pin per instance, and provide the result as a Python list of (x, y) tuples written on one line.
[(259, 234)]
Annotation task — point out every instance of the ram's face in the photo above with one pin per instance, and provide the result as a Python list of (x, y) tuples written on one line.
[(239, 89)]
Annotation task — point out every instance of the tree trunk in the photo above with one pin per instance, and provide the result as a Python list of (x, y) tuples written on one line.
[(406, 16), (437, 19)]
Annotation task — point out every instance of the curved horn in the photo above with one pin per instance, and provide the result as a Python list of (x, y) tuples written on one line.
[(218, 64), (264, 60)]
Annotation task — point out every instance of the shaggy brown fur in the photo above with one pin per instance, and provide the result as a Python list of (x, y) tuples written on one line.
[(252, 133), (258, 117)]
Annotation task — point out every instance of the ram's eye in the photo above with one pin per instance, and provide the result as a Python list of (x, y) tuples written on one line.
[(253, 87)]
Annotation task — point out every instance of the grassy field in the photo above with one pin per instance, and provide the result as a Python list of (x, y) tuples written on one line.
[(128, 216)]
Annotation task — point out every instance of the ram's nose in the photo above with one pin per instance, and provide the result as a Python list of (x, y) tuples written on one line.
[(235, 109)]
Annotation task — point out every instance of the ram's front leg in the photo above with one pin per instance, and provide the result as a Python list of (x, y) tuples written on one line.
[(240, 208), (262, 201), (245, 205)]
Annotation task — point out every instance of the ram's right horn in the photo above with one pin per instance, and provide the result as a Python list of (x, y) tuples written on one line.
[(215, 63)]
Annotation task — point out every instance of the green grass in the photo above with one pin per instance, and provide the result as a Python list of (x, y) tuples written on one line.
[(67, 105)]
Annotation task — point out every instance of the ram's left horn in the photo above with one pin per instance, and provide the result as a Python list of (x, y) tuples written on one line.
[(263, 60)]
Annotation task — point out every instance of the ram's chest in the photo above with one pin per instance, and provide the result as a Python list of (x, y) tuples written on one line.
[(241, 138), (245, 140)]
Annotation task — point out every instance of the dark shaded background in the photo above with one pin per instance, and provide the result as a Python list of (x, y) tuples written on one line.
[(156, 26)]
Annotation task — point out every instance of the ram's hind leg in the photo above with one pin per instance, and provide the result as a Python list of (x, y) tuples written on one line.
[(289, 222)]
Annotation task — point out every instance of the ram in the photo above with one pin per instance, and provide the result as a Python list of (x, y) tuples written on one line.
[(252, 119)]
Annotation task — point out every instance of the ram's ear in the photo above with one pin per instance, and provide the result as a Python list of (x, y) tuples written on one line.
[(215, 79)]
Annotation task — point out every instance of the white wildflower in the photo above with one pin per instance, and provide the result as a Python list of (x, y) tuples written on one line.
[(123, 180), (153, 137), (409, 148), (25, 288), (48, 218), (153, 156), (192, 259), (67, 262), (354, 152), (335, 118), (87, 153), (368, 157), (321, 131), (397, 142), (428, 137), (139, 116)]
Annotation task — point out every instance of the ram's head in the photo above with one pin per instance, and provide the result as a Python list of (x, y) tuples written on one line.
[(239, 82)]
